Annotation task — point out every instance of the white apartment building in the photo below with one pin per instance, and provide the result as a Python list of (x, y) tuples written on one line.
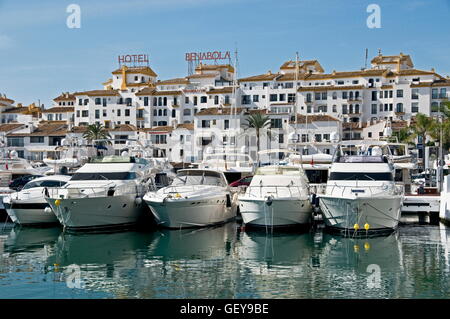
[(181, 117)]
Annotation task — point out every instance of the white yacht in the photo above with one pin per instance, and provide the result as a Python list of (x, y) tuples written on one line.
[(196, 197), (106, 192), (12, 167), (28, 206), (277, 196), (361, 193)]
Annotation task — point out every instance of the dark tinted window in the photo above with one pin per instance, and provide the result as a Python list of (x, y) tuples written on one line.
[(340, 176), (103, 176)]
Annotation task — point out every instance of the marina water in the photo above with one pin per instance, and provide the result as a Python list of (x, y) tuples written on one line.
[(224, 262)]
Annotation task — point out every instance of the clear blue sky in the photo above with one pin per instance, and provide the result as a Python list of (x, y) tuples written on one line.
[(40, 57)]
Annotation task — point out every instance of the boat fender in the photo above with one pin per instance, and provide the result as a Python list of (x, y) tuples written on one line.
[(138, 201), (269, 201), (48, 210)]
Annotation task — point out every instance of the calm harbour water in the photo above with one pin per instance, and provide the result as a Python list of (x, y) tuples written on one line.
[(224, 262)]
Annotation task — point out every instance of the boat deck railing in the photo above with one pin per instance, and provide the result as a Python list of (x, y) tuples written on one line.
[(374, 190), (91, 191), (276, 192)]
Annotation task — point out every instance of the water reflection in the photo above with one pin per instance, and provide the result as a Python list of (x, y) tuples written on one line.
[(226, 262)]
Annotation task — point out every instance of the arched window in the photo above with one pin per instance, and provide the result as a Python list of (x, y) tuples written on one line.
[(165, 112), (159, 112), (174, 113), (160, 101), (356, 108), (165, 101), (356, 94), (350, 95), (155, 101)]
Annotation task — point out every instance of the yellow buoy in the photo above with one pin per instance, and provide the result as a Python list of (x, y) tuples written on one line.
[(366, 226), (356, 227), (366, 246), (57, 202), (356, 248), (177, 195)]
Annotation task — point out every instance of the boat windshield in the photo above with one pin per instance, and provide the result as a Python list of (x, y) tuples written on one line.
[(358, 176), (47, 183), (198, 178), (118, 159), (103, 176), (360, 159), (278, 170)]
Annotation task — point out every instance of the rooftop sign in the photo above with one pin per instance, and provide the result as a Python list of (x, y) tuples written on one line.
[(211, 55), (133, 59)]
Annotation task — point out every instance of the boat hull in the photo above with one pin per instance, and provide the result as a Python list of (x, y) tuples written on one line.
[(183, 213), (30, 213), (97, 212), (380, 213), (281, 213)]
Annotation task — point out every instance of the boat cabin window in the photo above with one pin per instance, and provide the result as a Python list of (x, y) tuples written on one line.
[(352, 176), (47, 183), (198, 178), (360, 159), (103, 176)]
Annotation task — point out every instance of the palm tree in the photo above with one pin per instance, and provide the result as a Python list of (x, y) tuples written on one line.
[(258, 122), (422, 127), (403, 135), (96, 132)]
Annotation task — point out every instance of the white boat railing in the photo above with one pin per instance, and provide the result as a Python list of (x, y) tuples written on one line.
[(110, 189), (374, 190), (276, 192)]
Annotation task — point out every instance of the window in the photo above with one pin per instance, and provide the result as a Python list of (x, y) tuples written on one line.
[(374, 95), (86, 101), (246, 99), (318, 137), (344, 109), (399, 93), (104, 113), (391, 94), (98, 101), (344, 95), (146, 101), (195, 100), (291, 97), (36, 139), (165, 101), (415, 94), (391, 107), (334, 95), (227, 99), (80, 102), (340, 176), (308, 97), (128, 101), (334, 109), (369, 134), (443, 93), (84, 113), (187, 112), (206, 123), (276, 123), (288, 85), (216, 99), (414, 107), (399, 108), (226, 124), (435, 107), (118, 112), (78, 113), (165, 112), (186, 100), (203, 99), (273, 97), (127, 112), (174, 113), (374, 109), (255, 98), (324, 95), (282, 97)]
